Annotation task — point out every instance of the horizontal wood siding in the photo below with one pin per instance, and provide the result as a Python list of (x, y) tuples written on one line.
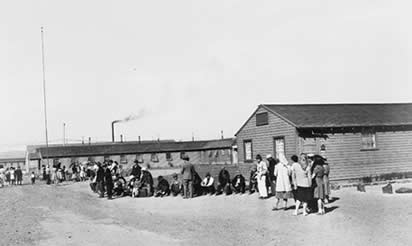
[(262, 136), (347, 161)]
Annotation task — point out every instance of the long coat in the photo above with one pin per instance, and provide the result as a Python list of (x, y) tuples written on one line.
[(282, 173)]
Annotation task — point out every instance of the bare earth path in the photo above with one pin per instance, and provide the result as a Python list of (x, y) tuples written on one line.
[(71, 214)]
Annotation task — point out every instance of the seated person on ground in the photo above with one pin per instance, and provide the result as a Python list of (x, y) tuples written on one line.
[(162, 187), (146, 181), (224, 182), (197, 188), (239, 184), (119, 184), (176, 185), (208, 185), (253, 180)]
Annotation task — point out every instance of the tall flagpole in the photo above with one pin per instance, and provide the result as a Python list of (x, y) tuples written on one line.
[(44, 95)]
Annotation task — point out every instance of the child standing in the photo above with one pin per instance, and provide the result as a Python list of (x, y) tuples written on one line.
[(33, 178)]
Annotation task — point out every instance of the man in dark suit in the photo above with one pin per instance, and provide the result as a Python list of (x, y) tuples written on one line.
[(188, 171), (271, 180), (136, 169), (100, 180), (108, 181)]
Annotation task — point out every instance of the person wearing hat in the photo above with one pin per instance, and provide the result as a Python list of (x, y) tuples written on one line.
[(188, 172), (176, 185), (271, 178), (136, 169)]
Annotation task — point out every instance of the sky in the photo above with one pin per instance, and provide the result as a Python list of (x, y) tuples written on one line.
[(191, 67)]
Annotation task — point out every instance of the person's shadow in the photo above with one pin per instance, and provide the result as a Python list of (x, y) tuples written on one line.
[(333, 199), (330, 209)]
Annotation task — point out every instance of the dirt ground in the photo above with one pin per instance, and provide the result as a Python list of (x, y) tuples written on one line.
[(70, 214)]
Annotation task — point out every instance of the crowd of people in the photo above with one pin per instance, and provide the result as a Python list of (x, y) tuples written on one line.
[(11, 176), (304, 179)]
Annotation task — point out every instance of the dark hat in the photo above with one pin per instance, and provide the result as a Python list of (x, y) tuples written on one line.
[(174, 175)]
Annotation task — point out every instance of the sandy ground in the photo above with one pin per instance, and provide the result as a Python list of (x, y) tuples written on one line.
[(71, 214)]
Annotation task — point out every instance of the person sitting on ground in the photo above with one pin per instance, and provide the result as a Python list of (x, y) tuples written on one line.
[(176, 185), (238, 183), (136, 169), (253, 187), (197, 188), (224, 182), (118, 185), (146, 180), (208, 185), (135, 184), (162, 187)]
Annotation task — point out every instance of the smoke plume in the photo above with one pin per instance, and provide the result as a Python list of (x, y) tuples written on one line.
[(131, 117)]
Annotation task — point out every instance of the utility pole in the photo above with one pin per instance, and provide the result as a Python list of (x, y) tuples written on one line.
[(64, 133), (44, 94)]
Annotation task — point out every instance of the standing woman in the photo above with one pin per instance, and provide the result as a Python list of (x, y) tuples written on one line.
[(302, 182), (262, 169), (319, 192), (283, 186), (326, 181)]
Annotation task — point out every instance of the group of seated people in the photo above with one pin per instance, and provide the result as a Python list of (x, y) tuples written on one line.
[(206, 186), (141, 184)]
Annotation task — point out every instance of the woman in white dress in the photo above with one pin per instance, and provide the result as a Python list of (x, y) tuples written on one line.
[(283, 186), (262, 169)]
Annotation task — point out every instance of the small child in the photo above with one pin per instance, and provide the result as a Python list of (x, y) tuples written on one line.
[(33, 178), (136, 186)]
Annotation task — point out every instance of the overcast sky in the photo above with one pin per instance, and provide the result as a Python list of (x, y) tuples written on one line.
[(191, 66)]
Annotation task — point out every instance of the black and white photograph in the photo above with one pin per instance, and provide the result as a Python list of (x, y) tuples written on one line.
[(219, 122)]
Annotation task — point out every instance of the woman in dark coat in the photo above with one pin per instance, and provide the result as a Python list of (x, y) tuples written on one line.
[(224, 182), (317, 178), (108, 181), (239, 184), (162, 187)]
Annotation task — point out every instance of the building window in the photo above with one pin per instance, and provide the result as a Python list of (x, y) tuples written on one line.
[(139, 158), (182, 154), (123, 159), (154, 157), (247, 144), (368, 140), (169, 156), (91, 159), (222, 152), (279, 146), (106, 158), (262, 119)]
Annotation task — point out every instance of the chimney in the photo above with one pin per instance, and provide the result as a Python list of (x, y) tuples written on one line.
[(221, 134), (82, 140), (121, 138), (113, 131), (140, 141), (90, 140)]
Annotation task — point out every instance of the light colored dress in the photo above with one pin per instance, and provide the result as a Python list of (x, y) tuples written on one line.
[(262, 169), (283, 186)]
